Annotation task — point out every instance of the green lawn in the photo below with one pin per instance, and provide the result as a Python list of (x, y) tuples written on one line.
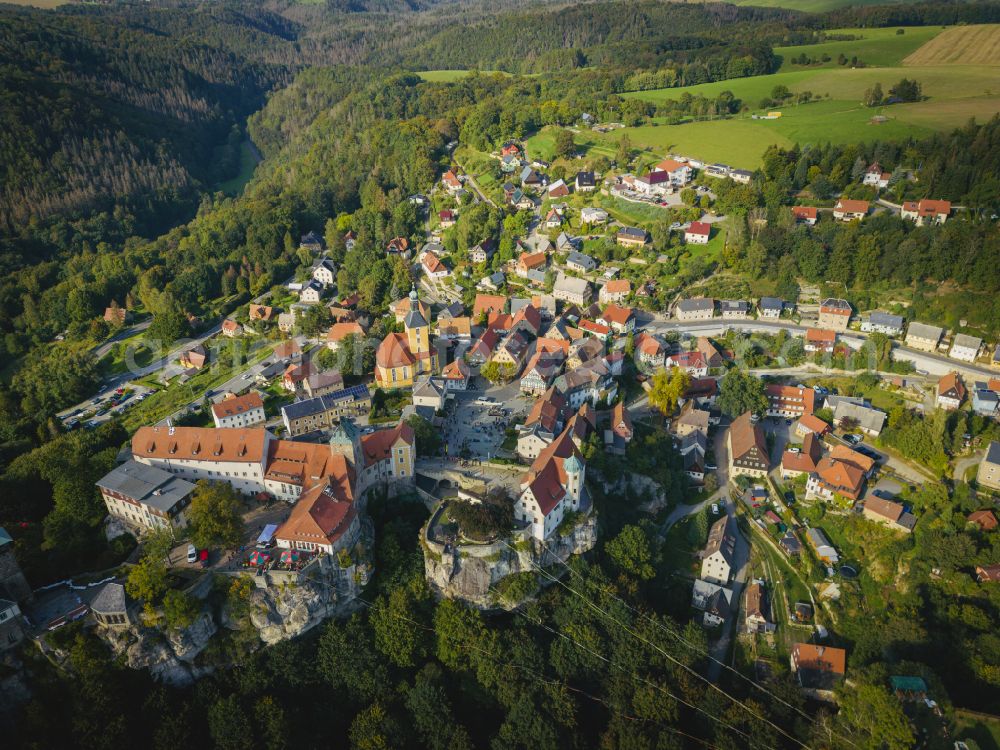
[(751, 89), (985, 731), (955, 93), (631, 213), (248, 163), (879, 47), (449, 76), (813, 6), (116, 361)]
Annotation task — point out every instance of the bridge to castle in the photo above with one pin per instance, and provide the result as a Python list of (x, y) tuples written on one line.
[(437, 479)]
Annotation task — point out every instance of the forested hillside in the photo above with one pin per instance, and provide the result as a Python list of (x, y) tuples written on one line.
[(111, 123)]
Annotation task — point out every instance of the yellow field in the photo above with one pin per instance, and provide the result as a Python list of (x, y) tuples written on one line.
[(960, 45)]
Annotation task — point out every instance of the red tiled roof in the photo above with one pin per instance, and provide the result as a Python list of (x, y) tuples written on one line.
[(286, 349), (232, 406), (618, 286), (746, 438), (926, 207), (617, 314), (841, 477), (551, 345), (206, 443), (820, 658), (804, 212), (595, 328), (488, 303), (984, 519), (852, 206), (339, 331), (694, 360), (951, 384), (790, 397), (320, 516), (261, 312), (822, 336), (378, 445), (306, 464), (528, 314), (648, 345), (394, 351), (885, 508), (432, 263), (529, 261), (670, 165), (547, 410), (456, 370), (700, 228), (814, 424)]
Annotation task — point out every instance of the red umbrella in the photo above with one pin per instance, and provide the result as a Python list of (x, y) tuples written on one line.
[(259, 558)]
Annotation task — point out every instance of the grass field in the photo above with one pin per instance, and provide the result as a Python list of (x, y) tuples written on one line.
[(984, 730), (248, 163), (38, 3), (878, 47), (962, 45), (954, 94), (812, 6), (449, 76)]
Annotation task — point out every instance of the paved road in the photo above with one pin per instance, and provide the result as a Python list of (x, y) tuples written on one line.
[(741, 556), (962, 465), (102, 350), (722, 474), (931, 363)]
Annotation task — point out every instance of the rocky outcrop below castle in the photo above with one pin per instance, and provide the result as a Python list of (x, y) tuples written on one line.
[(276, 606), (168, 654), (286, 609), (475, 573)]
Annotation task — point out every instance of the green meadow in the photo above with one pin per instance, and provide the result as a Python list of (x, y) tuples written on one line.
[(875, 47), (954, 93), (812, 6)]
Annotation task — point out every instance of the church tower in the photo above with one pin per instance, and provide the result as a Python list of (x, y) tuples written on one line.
[(418, 336)]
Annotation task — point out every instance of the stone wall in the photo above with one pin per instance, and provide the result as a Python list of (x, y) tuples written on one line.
[(469, 572)]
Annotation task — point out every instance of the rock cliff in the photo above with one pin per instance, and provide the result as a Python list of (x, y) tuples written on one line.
[(468, 572), (279, 607), (168, 654), (287, 609)]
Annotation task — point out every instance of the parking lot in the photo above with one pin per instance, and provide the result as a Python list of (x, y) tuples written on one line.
[(105, 406), (475, 427), (255, 519)]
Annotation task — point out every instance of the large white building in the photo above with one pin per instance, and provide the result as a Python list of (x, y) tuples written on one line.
[(966, 348), (145, 497), (717, 557), (239, 411), (252, 460), (552, 487)]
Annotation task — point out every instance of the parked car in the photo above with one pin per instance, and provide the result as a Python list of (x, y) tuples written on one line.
[(715, 509), (192, 554)]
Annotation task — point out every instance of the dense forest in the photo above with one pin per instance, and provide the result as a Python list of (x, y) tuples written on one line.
[(598, 660), (117, 123)]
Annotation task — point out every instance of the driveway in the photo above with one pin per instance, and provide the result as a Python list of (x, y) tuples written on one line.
[(719, 496), (741, 556), (962, 465)]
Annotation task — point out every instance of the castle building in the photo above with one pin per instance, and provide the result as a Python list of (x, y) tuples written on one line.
[(253, 461), (553, 486)]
